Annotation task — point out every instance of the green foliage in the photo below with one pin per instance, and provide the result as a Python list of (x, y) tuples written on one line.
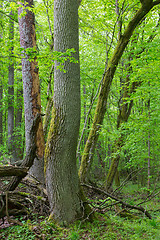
[(74, 236), (18, 232)]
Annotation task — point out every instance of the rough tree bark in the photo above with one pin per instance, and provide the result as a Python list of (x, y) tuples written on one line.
[(105, 88), (65, 196), (31, 87)]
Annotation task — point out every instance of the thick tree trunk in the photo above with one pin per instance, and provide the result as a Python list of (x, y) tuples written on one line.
[(31, 88), (104, 91), (11, 92), (65, 196)]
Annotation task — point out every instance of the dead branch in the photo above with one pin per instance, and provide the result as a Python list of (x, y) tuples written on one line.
[(124, 204), (17, 203), (34, 183)]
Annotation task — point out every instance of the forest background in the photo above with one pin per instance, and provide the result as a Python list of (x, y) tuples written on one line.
[(129, 136)]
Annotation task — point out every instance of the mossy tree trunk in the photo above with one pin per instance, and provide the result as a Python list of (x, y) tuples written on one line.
[(123, 41), (124, 112), (65, 195)]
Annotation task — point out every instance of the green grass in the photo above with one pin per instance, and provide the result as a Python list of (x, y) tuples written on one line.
[(105, 228)]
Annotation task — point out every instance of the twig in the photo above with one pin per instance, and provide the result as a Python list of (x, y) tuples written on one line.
[(126, 180)]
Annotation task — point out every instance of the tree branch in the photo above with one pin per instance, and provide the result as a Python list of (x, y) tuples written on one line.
[(156, 2)]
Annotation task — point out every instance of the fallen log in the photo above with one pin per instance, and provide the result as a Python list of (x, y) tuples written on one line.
[(6, 171)]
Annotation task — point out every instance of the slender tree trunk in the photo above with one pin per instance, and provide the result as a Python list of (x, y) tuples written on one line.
[(124, 112), (65, 196), (48, 111), (104, 91), (149, 148), (31, 87), (18, 141), (123, 115), (1, 98), (11, 91), (149, 164), (1, 114)]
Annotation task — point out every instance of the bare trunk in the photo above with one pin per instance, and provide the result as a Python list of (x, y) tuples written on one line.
[(18, 142)]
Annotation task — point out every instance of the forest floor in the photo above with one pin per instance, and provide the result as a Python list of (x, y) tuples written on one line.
[(110, 223)]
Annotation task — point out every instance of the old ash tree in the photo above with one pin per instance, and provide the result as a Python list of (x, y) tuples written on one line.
[(65, 195)]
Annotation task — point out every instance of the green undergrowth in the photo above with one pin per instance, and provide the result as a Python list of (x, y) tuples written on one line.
[(108, 224), (107, 227)]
